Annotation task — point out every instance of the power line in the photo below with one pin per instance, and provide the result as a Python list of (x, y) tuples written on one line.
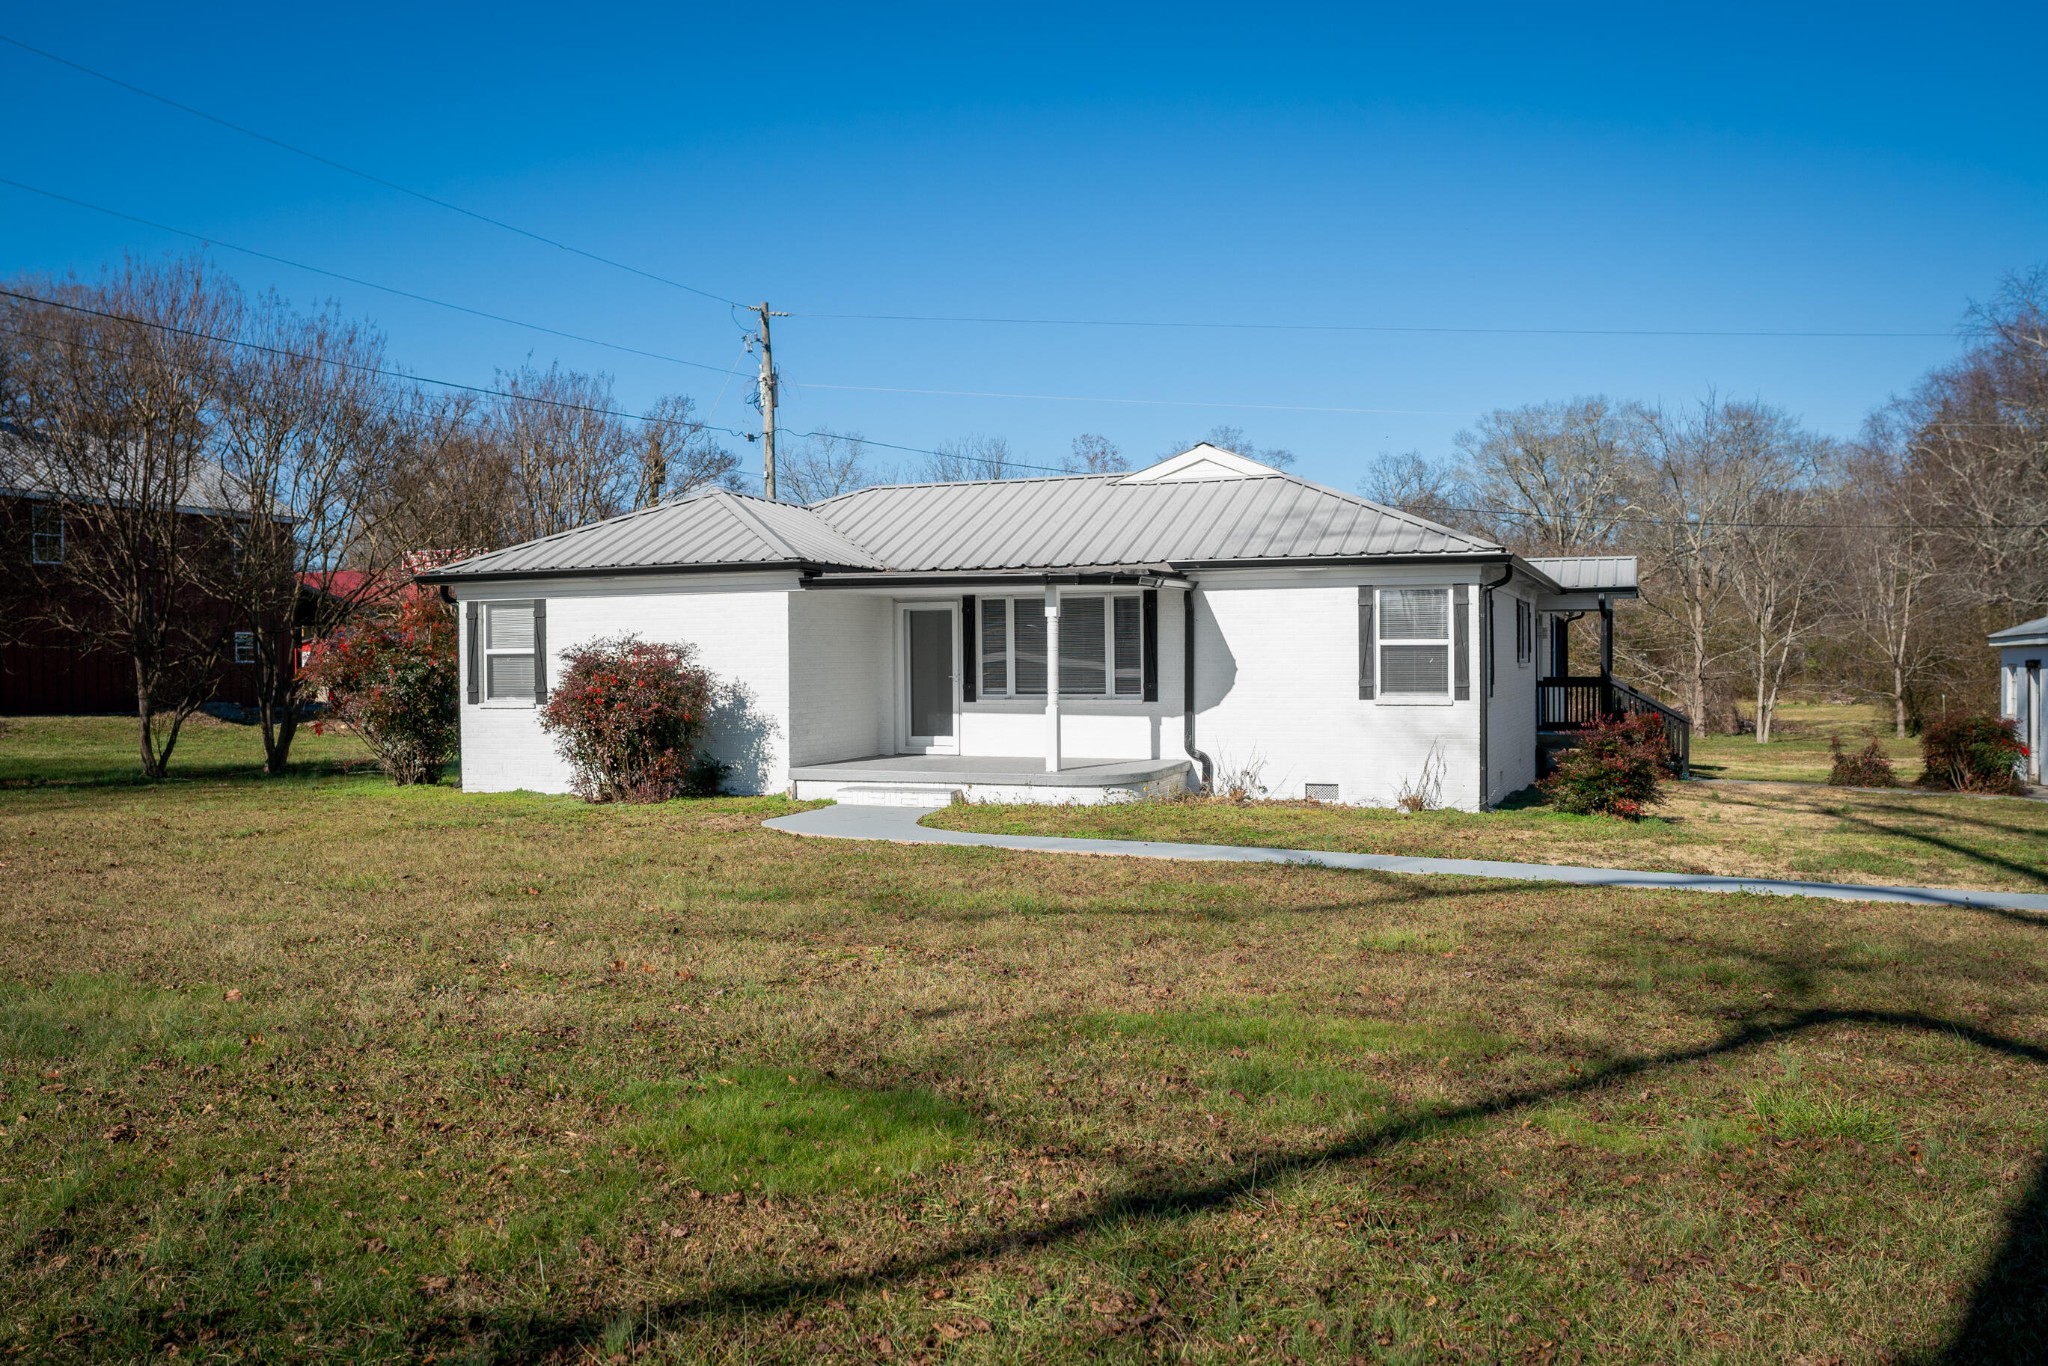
[(1147, 402), (364, 175), (1365, 327), (353, 279), (485, 390)]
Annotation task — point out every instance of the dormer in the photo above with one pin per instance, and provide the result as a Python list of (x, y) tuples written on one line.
[(1201, 462)]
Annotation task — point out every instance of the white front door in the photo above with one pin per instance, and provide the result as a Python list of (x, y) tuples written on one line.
[(929, 662)]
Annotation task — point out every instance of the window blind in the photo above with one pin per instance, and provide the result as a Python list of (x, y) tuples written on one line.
[(1029, 629), (1083, 646), (995, 646), (1129, 643)]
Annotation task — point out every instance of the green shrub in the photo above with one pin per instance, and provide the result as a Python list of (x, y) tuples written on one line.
[(1867, 767), (394, 682), (627, 715), (1966, 753), (1615, 769)]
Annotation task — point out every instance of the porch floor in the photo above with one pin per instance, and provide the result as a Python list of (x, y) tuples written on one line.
[(1009, 770)]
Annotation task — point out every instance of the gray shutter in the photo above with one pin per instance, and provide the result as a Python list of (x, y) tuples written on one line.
[(540, 649), (475, 653), (1150, 691), (1366, 644), (1461, 633), (967, 670)]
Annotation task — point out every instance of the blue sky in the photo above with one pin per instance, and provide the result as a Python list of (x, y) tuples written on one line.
[(1855, 169)]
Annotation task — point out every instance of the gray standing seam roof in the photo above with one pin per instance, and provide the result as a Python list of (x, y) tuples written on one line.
[(2033, 632), (995, 525), (718, 528), (1591, 573), (29, 471)]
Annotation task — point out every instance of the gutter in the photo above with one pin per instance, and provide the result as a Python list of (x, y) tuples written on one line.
[(1486, 686), (1187, 674)]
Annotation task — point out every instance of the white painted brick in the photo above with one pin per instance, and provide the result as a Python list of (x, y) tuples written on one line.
[(740, 626)]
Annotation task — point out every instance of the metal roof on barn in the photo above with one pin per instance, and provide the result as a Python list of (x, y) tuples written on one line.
[(1204, 507)]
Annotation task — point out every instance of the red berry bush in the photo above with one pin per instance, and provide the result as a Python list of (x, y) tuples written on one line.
[(628, 716), (1966, 753), (393, 681), (1615, 769)]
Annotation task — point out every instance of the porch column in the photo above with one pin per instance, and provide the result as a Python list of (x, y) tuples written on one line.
[(1606, 638), (1052, 678)]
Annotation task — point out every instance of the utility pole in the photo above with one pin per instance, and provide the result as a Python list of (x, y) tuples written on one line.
[(767, 399)]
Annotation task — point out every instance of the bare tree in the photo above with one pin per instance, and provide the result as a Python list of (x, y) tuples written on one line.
[(1777, 565), (1552, 478), (445, 485), (1093, 454), (677, 455), (572, 458), (303, 424), (120, 386), (971, 458), (1706, 474), (1413, 484), (826, 465)]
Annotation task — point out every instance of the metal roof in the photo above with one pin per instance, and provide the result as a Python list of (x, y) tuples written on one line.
[(2033, 632), (27, 469), (718, 528), (1059, 524), (1591, 573), (1108, 519)]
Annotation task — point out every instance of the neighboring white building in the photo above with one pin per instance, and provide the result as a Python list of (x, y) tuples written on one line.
[(1211, 618), (2021, 649)]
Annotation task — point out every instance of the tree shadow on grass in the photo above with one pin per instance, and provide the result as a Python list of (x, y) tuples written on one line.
[(2007, 1320), (2033, 873)]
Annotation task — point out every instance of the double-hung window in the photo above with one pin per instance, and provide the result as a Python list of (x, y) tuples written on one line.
[(46, 534), (1102, 646), (1525, 631), (508, 653), (245, 647), (1415, 642)]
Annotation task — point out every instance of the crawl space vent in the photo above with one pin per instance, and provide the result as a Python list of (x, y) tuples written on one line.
[(1320, 792)]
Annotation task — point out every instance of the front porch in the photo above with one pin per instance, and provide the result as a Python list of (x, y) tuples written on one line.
[(1567, 703), (937, 779)]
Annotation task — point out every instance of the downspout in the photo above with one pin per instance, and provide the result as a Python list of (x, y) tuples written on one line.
[(1485, 690), (1187, 674)]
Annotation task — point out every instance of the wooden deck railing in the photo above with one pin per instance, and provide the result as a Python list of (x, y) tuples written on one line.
[(1574, 703)]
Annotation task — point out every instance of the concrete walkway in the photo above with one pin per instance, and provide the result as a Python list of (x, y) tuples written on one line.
[(900, 824)]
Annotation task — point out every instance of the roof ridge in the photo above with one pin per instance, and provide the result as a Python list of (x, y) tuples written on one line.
[(963, 483), (768, 535)]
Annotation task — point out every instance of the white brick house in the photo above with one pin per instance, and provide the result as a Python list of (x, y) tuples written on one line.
[(1210, 617)]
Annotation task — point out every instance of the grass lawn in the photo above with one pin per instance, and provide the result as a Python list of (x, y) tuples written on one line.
[(106, 749), (1774, 830), (1798, 751), (318, 1068)]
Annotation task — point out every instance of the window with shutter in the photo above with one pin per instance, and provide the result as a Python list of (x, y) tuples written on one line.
[(509, 673), (1414, 642)]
